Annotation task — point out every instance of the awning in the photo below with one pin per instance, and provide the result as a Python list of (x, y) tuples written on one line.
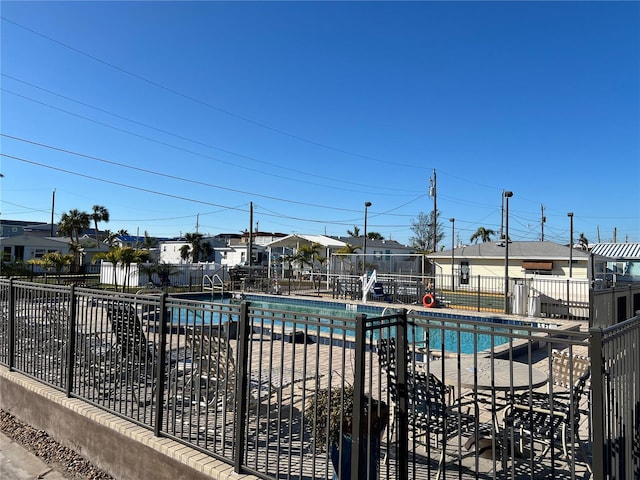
[(532, 265)]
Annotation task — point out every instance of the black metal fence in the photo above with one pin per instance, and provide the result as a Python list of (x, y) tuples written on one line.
[(281, 392)]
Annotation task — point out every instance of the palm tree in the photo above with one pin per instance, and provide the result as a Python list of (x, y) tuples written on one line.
[(109, 237), (355, 232), (113, 257), (53, 261), (129, 255), (348, 249), (149, 241), (99, 214), (307, 255), (483, 234), (71, 224), (194, 248)]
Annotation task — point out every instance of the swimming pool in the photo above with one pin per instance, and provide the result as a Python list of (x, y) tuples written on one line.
[(444, 330)]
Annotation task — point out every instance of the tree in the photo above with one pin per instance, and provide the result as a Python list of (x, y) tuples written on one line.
[(355, 232), (71, 224), (149, 241), (423, 229), (374, 236), (109, 237), (99, 214), (55, 261), (113, 257), (196, 248), (307, 255), (346, 252), (483, 234)]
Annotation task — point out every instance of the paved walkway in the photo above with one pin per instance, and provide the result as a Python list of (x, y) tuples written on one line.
[(18, 463)]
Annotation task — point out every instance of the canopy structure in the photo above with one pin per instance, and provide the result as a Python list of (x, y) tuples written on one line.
[(295, 240)]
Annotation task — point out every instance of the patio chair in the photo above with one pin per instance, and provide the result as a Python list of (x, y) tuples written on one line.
[(378, 293), (549, 418), (211, 374), (430, 415), (432, 412), (136, 354)]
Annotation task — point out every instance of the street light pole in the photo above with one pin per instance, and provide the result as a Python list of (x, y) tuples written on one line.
[(507, 196), (570, 215), (364, 245), (453, 248)]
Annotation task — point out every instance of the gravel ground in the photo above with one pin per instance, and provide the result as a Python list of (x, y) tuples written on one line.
[(57, 456)]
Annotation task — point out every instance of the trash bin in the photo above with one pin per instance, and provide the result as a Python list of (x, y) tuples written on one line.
[(534, 304), (520, 293)]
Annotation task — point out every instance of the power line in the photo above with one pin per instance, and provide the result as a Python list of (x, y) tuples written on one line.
[(166, 144), (181, 137), (164, 175), (206, 104)]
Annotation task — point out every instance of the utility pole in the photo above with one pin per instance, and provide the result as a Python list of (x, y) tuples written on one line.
[(542, 220), (53, 208), (197, 222), (433, 192), (502, 216), (250, 246)]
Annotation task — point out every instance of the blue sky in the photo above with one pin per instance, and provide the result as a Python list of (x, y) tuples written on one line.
[(175, 114)]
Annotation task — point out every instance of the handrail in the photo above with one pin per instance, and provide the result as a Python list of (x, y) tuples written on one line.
[(367, 284), (211, 282)]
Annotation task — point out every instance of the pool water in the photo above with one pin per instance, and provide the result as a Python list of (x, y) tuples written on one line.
[(469, 340)]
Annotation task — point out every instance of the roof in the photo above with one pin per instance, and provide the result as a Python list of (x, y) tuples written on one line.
[(381, 244), (517, 250), (36, 241), (295, 239), (626, 251)]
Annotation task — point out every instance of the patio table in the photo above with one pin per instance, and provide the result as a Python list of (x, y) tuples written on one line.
[(487, 376), (487, 373)]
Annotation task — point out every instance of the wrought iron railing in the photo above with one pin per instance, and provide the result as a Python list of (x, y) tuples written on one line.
[(251, 386)]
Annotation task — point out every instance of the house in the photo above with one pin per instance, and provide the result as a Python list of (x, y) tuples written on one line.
[(384, 256), (170, 251), (623, 264), (524, 259), (14, 228), (21, 248)]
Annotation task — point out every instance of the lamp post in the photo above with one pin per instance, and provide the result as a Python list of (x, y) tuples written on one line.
[(453, 248), (507, 196), (570, 215), (364, 245)]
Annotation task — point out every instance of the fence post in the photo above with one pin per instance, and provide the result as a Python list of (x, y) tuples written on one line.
[(71, 341), (479, 297), (402, 403), (597, 403), (12, 326), (160, 367), (242, 385), (357, 460)]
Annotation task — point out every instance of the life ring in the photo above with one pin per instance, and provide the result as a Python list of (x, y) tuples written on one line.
[(428, 300)]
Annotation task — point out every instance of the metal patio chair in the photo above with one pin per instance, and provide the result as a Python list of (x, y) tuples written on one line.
[(547, 418), (210, 376), (433, 414), (134, 358)]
